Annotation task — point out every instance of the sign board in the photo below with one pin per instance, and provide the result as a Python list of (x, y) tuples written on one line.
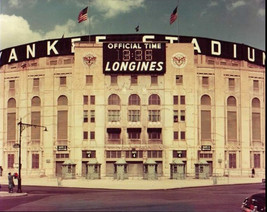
[(206, 147), (62, 148), (89, 154), (134, 58)]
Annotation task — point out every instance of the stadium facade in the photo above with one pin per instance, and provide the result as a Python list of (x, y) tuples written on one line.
[(133, 97)]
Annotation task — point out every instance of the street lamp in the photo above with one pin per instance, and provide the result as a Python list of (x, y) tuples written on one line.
[(22, 126)]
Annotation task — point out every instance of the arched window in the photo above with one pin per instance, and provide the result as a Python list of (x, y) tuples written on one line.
[(11, 103), (205, 100), (256, 120), (205, 118), (154, 99), (36, 101), (113, 99), (62, 100), (255, 103), (134, 99), (231, 101)]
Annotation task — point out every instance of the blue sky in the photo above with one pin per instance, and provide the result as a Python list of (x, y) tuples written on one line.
[(25, 21)]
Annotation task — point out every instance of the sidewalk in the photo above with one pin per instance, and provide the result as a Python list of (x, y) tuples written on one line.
[(128, 184)]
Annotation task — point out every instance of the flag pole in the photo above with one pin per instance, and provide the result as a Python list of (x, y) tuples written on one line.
[(88, 21), (177, 20)]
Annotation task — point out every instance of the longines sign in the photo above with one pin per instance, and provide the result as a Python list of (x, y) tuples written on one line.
[(65, 46), (127, 58)]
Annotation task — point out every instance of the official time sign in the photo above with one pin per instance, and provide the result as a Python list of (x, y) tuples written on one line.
[(134, 58)]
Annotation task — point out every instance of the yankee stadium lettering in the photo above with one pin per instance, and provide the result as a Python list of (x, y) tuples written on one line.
[(129, 58)]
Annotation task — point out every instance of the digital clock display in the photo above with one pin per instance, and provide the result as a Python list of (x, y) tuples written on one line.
[(134, 58)]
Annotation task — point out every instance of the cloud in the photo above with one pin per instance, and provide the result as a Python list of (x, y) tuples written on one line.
[(236, 4), (21, 4), (261, 12), (15, 30), (112, 8)]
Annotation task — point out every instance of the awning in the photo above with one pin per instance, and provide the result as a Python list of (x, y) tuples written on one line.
[(138, 130), (114, 130), (154, 130)]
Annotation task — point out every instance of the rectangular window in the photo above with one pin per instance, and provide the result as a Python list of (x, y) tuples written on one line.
[(114, 79), (89, 79), (175, 116), (11, 126), (134, 133), (205, 81), (62, 125), (257, 160), (36, 82), (12, 84), (134, 115), (179, 79), (134, 79), (205, 125), (182, 115), (175, 100), (182, 100), (256, 127), (154, 133), (88, 154), (113, 154), (10, 161), (85, 116), (35, 131), (62, 81), (113, 115), (256, 84), (175, 135), (92, 100), (35, 161), (232, 160), (154, 154), (85, 135), (85, 100), (231, 83), (231, 125), (179, 153), (92, 135), (92, 118), (154, 80), (182, 135), (154, 115)]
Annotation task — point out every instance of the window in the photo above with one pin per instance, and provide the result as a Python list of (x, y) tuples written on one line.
[(62, 100), (134, 99), (114, 136), (10, 161), (113, 115), (36, 82), (154, 99), (138, 154), (154, 115), (36, 131), (154, 133), (134, 80), (175, 135), (232, 160), (175, 116), (134, 115), (92, 118), (92, 100), (175, 100), (231, 83), (182, 100), (11, 126), (154, 80), (85, 135), (88, 154), (182, 115), (114, 99), (92, 135), (113, 79), (85, 100), (179, 79), (89, 79), (12, 84), (182, 135), (85, 116), (205, 81), (62, 81), (179, 153), (35, 161), (256, 120), (205, 124), (154, 154), (113, 154), (134, 133), (257, 161), (256, 84)]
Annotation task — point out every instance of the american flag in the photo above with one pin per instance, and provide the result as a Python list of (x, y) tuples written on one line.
[(83, 15), (173, 15)]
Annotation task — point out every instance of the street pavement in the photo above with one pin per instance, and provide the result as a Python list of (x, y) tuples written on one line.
[(127, 184)]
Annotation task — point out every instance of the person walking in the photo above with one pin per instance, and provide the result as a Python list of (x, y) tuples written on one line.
[(11, 184), (252, 172)]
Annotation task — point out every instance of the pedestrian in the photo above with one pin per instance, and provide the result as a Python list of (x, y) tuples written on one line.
[(252, 172), (11, 183)]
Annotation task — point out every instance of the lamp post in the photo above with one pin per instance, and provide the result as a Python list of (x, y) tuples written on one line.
[(22, 126)]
